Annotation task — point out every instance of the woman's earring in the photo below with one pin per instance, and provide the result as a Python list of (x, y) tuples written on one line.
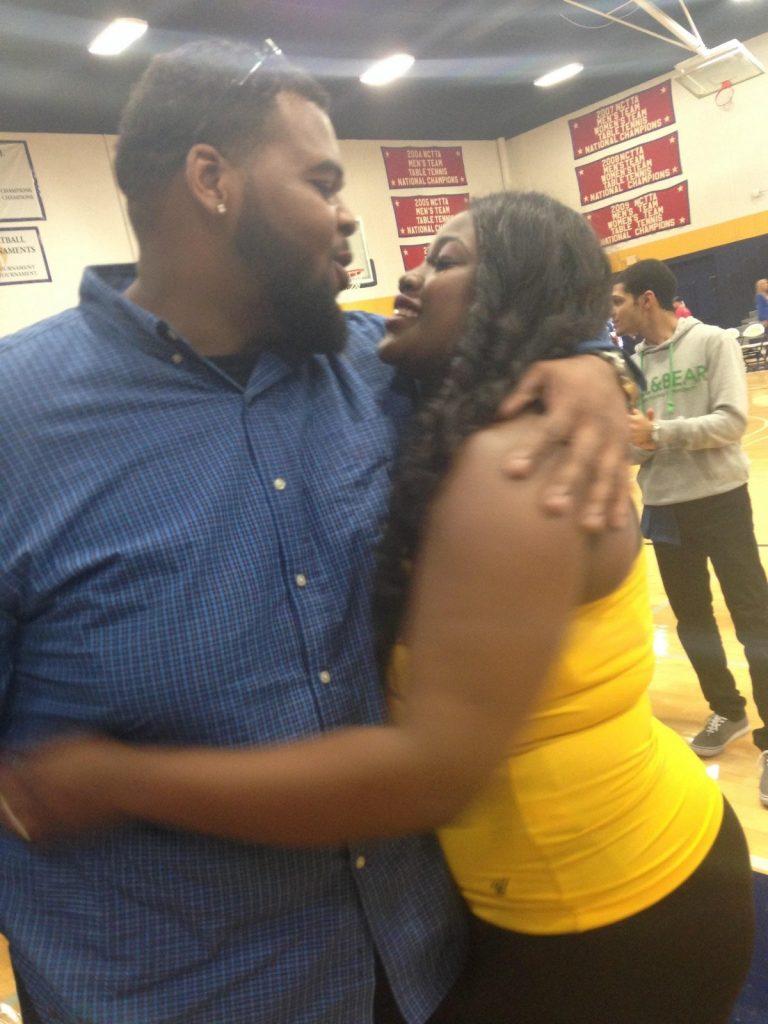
[(221, 208)]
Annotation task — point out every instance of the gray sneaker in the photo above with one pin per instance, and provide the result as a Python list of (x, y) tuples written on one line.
[(717, 733), (764, 778)]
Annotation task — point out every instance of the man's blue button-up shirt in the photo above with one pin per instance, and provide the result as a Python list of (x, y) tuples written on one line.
[(186, 561)]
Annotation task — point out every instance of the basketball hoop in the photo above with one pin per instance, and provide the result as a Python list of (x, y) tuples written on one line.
[(355, 280)]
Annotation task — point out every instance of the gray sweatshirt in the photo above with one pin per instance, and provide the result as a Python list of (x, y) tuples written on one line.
[(697, 389)]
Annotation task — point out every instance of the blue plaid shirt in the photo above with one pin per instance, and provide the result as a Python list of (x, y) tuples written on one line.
[(185, 561)]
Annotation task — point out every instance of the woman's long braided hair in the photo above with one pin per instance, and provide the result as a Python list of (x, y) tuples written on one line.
[(542, 285)]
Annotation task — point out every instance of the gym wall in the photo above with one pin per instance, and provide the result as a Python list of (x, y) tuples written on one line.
[(86, 222), (723, 159)]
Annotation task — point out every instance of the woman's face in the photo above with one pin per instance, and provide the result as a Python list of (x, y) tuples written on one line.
[(431, 309)]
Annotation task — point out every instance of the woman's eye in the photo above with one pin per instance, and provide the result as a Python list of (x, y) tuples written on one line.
[(443, 263), (325, 188)]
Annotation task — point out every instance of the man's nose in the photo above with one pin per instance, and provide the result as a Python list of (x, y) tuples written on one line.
[(346, 220)]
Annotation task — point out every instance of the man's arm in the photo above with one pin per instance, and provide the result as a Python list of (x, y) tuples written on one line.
[(9, 608), (729, 404), (7, 629)]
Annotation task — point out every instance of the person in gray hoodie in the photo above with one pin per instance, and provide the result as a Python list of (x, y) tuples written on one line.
[(693, 477)]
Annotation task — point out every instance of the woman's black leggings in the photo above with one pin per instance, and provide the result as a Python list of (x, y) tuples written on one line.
[(681, 961)]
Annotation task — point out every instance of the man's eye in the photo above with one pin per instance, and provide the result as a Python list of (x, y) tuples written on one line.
[(325, 188)]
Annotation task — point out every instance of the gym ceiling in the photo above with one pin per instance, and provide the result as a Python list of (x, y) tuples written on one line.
[(473, 77)]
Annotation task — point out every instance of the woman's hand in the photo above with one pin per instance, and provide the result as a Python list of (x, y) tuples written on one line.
[(59, 789), (585, 414)]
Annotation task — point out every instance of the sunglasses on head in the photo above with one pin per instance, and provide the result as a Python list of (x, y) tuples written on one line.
[(269, 48), (268, 51)]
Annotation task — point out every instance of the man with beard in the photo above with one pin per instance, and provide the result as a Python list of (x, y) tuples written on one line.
[(193, 473)]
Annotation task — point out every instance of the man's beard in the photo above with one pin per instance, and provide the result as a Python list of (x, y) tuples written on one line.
[(307, 318)]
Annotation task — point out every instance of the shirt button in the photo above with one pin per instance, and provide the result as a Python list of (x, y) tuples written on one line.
[(279, 484), (177, 358), (325, 677), (301, 580), (360, 863)]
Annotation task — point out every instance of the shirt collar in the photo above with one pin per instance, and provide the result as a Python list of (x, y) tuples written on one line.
[(103, 301)]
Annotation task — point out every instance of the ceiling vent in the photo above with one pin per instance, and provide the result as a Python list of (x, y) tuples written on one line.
[(727, 64)]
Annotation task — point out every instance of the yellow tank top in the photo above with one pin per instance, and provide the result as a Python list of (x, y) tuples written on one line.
[(600, 811)]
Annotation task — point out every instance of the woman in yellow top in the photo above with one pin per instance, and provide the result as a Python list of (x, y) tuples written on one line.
[(607, 883)]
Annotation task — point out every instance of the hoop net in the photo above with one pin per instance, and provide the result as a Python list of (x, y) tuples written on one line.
[(355, 277)]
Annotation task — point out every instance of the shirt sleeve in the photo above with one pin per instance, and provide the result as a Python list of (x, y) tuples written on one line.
[(727, 420), (8, 624), (10, 582), (639, 456)]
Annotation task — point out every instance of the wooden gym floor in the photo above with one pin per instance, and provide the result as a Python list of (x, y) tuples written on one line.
[(675, 692)]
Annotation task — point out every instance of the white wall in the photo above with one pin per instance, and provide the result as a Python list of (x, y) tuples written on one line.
[(723, 152), (86, 221)]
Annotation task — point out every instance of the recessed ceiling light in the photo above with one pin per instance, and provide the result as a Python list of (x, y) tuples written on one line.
[(117, 36), (559, 75), (385, 71)]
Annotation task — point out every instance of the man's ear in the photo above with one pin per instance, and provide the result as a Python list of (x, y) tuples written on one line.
[(648, 301), (210, 179)]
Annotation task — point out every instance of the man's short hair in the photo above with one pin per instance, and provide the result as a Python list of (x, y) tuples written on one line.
[(200, 92), (650, 276)]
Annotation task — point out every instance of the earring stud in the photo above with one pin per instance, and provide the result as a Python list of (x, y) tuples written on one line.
[(221, 208)]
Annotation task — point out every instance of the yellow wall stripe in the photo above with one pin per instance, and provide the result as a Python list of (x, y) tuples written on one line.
[(383, 306), (683, 244), (688, 242)]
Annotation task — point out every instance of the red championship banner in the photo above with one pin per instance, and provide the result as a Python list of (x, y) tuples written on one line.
[(644, 215), (638, 114), (413, 255), (631, 168), (425, 215), (424, 166)]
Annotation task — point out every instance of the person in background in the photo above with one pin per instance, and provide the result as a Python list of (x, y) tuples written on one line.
[(680, 308), (697, 509), (588, 841), (194, 468), (761, 300)]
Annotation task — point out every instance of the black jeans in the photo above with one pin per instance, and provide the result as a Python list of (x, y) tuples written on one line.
[(683, 960), (720, 530)]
